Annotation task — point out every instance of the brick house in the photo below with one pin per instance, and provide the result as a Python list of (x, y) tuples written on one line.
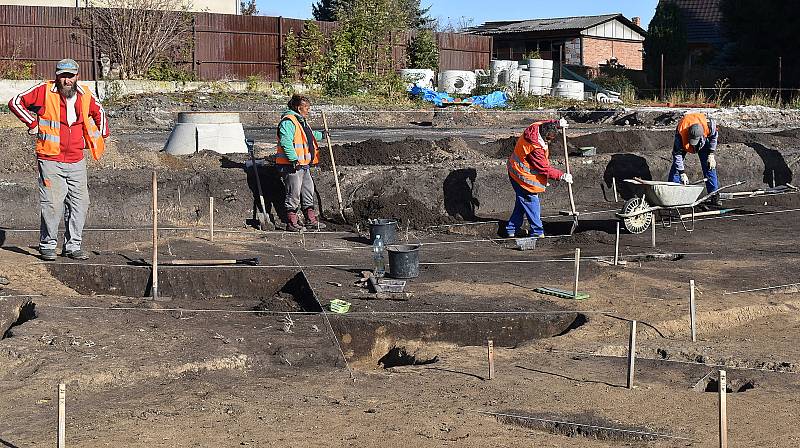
[(589, 41)]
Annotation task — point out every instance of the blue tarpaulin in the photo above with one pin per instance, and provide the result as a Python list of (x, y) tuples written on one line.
[(492, 100)]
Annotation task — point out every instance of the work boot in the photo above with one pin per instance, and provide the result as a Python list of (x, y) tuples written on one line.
[(76, 254), (313, 221), (47, 254), (293, 225)]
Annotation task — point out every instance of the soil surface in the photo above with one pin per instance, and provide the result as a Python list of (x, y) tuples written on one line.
[(240, 354)]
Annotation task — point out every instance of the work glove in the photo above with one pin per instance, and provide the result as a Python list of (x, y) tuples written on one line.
[(34, 130), (712, 162), (562, 123), (566, 177), (684, 179)]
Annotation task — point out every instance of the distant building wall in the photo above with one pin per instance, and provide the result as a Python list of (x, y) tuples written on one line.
[(599, 51)]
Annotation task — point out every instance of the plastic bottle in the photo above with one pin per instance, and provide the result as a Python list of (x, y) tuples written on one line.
[(377, 255)]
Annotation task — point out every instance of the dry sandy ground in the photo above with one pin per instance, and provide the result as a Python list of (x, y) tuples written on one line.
[(150, 373)]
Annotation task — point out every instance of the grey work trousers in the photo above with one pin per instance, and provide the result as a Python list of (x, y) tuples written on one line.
[(63, 194), (299, 189)]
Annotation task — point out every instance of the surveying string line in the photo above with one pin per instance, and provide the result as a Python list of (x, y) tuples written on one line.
[(301, 267), (676, 361), (745, 215), (760, 289), (311, 313), (582, 425)]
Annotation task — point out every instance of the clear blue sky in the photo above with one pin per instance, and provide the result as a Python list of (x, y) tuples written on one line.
[(484, 10)]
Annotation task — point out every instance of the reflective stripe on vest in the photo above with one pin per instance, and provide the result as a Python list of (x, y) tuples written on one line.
[(48, 141), (520, 170), (686, 122), (300, 143)]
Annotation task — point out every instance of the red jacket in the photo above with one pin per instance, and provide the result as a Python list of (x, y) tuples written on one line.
[(27, 104)]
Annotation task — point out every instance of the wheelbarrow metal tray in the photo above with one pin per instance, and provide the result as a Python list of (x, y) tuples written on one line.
[(669, 194)]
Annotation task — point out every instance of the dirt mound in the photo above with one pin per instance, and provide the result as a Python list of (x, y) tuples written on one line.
[(505, 146), (639, 140), (400, 206), (407, 151)]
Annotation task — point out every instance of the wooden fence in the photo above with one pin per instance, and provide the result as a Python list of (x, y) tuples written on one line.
[(224, 46)]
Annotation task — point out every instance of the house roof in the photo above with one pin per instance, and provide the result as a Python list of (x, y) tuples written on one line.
[(703, 20), (556, 24)]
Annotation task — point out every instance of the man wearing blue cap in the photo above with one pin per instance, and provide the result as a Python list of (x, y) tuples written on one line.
[(66, 119)]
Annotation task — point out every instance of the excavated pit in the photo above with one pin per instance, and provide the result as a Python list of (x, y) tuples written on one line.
[(180, 282), (389, 342)]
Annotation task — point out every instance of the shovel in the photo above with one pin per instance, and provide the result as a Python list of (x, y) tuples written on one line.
[(571, 211), (340, 216), (261, 214)]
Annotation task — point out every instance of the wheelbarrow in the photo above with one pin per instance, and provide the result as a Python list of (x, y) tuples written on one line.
[(665, 199)]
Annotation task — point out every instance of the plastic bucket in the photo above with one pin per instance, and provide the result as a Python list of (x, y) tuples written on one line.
[(403, 260), (386, 228)]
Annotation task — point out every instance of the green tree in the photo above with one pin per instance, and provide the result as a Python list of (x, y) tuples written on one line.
[(416, 16), (361, 47), (325, 10), (423, 51), (248, 8), (759, 32), (666, 35), (290, 60), (309, 51)]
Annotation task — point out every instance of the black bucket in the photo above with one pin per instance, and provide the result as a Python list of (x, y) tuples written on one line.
[(386, 228), (404, 261)]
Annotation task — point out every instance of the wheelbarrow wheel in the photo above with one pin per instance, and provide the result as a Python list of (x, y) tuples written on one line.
[(641, 222)]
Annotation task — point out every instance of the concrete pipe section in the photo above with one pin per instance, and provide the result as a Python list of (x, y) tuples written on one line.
[(220, 132)]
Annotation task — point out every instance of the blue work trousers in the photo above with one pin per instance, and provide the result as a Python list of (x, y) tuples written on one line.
[(526, 204), (712, 183)]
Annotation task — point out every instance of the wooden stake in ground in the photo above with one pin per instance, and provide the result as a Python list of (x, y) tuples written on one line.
[(155, 236), (616, 247), (577, 272), (333, 166), (62, 414), (631, 353), (723, 410), (614, 186), (692, 316), (490, 353), (569, 186), (211, 217), (653, 233)]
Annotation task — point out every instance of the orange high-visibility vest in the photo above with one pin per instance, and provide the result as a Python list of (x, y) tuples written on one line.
[(686, 122), (48, 141), (521, 171), (301, 146)]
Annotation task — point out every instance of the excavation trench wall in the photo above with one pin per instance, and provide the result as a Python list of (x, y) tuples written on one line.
[(450, 181), (366, 340)]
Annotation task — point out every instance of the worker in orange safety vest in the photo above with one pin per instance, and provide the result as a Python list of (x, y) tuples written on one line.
[(529, 170), (66, 119)]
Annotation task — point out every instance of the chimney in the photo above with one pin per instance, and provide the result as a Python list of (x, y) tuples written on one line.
[(637, 21)]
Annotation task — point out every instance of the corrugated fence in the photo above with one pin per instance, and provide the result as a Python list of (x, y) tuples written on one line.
[(225, 46)]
